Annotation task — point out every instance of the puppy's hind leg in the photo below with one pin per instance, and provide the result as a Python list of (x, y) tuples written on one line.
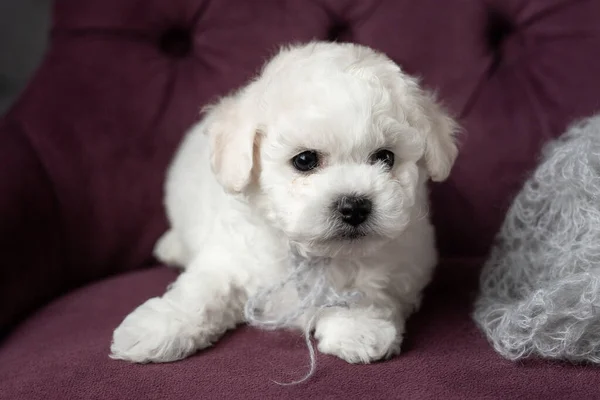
[(170, 250), (206, 300)]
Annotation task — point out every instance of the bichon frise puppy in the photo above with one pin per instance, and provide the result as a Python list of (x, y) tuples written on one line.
[(326, 153)]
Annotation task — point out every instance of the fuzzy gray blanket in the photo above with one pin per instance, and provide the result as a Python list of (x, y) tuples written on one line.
[(540, 288)]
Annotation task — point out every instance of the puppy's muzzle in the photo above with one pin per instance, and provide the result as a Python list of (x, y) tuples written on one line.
[(353, 210)]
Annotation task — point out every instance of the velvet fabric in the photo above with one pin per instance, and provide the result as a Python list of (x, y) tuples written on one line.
[(84, 151), (61, 353)]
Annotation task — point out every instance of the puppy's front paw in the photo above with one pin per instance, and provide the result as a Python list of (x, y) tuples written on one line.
[(357, 338), (156, 332)]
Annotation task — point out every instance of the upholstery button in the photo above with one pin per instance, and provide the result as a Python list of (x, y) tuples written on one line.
[(500, 37), (338, 32), (176, 42), (499, 28)]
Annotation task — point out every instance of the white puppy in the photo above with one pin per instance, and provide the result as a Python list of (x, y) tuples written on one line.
[(327, 151)]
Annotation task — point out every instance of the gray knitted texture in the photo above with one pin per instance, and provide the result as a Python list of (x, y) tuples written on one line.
[(315, 293), (540, 288)]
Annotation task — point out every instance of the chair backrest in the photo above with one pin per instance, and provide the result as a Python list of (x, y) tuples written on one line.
[(84, 151)]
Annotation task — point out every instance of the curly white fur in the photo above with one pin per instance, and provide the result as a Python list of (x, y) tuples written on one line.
[(540, 290), (236, 205)]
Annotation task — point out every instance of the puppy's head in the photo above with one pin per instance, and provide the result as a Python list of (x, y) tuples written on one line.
[(333, 144)]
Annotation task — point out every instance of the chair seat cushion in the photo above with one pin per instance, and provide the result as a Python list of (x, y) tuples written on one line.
[(61, 352)]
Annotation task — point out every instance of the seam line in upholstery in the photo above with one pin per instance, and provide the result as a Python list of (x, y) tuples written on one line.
[(20, 129)]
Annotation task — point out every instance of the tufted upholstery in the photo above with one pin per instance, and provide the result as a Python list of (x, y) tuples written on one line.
[(83, 155)]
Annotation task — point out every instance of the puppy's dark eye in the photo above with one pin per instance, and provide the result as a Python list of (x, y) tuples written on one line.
[(306, 161), (383, 156)]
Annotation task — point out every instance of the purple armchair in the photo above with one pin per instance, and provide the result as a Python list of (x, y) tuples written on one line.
[(84, 151)]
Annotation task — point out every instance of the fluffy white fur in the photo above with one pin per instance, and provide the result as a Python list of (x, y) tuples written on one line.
[(236, 204)]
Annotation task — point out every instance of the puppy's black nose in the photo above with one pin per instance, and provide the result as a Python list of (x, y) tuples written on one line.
[(354, 210)]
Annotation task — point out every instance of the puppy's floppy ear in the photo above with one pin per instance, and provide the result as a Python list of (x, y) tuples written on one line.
[(440, 137), (423, 112), (232, 130)]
